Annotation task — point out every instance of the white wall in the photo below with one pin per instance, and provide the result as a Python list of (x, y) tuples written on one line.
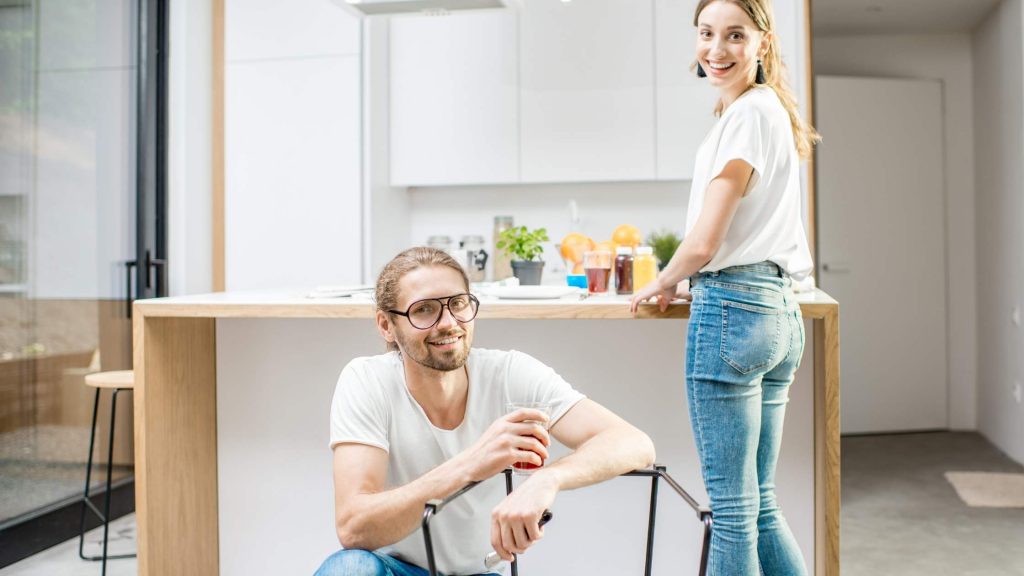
[(189, 174), (946, 58), (385, 208), (458, 211), (293, 208), (999, 137)]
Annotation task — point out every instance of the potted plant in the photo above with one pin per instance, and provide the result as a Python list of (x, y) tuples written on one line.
[(664, 244), (524, 248)]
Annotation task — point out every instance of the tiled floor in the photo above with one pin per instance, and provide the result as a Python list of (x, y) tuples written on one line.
[(63, 560)]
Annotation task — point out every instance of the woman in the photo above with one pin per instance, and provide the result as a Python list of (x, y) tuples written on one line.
[(744, 246)]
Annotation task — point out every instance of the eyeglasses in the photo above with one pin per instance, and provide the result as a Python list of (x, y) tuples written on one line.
[(425, 314)]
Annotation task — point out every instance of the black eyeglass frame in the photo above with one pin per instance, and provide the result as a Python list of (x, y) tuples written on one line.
[(443, 302)]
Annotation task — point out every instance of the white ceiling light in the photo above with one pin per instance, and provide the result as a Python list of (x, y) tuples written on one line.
[(385, 7)]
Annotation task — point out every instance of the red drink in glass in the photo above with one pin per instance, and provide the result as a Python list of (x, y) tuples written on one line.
[(598, 264), (529, 467), (597, 279)]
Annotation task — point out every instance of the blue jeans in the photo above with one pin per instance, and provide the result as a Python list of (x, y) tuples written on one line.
[(744, 344), (366, 563)]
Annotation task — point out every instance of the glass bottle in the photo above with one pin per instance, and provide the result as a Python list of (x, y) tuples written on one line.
[(624, 270), (645, 267), (502, 261)]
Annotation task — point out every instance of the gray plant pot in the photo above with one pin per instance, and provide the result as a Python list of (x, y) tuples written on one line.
[(528, 271)]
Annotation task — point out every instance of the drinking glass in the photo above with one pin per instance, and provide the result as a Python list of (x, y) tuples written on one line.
[(598, 266), (545, 407)]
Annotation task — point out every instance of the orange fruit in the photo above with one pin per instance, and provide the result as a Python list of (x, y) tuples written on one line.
[(608, 245), (627, 235), (573, 246)]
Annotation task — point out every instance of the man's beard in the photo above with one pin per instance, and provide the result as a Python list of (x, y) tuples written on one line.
[(443, 361)]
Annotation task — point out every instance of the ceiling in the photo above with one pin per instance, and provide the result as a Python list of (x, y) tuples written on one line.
[(843, 17)]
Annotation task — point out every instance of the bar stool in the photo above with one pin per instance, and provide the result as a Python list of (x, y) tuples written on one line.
[(118, 381)]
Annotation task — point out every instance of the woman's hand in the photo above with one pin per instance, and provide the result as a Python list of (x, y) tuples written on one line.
[(653, 290)]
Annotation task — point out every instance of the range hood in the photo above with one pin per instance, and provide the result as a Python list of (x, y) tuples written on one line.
[(385, 7)]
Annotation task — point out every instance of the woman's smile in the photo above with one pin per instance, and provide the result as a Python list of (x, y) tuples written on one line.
[(718, 67)]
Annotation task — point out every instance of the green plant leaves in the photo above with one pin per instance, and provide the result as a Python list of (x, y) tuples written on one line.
[(521, 243)]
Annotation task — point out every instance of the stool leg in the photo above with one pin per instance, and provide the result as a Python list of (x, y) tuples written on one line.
[(110, 472), (508, 490), (88, 475)]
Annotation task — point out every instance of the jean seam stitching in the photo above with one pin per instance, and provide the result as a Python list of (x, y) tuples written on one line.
[(698, 426), (740, 287)]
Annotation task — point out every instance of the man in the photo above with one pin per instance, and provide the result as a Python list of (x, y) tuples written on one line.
[(427, 418)]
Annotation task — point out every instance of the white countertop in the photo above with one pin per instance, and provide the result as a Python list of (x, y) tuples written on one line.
[(295, 304)]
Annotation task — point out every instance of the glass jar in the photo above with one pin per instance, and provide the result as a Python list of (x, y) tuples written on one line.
[(624, 270), (645, 267), (476, 257), (502, 261), (443, 243)]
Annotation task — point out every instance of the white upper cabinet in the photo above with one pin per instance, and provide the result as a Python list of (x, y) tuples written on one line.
[(686, 103), (454, 99), (587, 90)]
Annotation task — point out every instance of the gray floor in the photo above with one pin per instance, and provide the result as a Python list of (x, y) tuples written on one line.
[(63, 560), (40, 465), (901, 516)]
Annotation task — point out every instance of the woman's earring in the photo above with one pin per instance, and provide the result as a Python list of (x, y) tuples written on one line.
[(760, 73), (700, 71)]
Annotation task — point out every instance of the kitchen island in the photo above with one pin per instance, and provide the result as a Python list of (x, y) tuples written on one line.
[(232, 399)]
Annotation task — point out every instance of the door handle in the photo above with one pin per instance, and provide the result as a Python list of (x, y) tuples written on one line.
[(835, 268), (160, 266)]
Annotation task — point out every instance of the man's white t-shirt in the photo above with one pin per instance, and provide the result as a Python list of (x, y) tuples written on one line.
[(373, 406), (767, 226)]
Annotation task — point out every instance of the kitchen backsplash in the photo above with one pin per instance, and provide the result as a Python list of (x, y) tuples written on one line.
[(600, 207)]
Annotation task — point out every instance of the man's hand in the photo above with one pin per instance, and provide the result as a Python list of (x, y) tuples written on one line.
[(514, 522), (518, 437)]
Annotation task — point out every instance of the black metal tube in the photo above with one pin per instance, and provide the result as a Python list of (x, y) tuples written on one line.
[(508, 490), (674, 485), (428, 512), (88, 476), (652, 514), (110, 472), (706, 547), (657, 473)]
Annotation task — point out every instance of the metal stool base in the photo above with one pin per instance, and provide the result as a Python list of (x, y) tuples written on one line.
[(86, 502)]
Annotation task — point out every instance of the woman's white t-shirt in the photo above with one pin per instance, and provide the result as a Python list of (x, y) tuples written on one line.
[(767, 225), (373, 406)]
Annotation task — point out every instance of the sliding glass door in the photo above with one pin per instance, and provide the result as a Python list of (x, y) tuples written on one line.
[(81, 198)]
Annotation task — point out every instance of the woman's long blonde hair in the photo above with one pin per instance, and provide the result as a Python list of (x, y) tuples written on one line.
[(760, 11)]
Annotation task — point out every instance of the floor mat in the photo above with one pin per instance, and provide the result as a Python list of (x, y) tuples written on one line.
[(988, 489)]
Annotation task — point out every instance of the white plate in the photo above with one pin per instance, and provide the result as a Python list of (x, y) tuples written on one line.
[(530, 292)]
